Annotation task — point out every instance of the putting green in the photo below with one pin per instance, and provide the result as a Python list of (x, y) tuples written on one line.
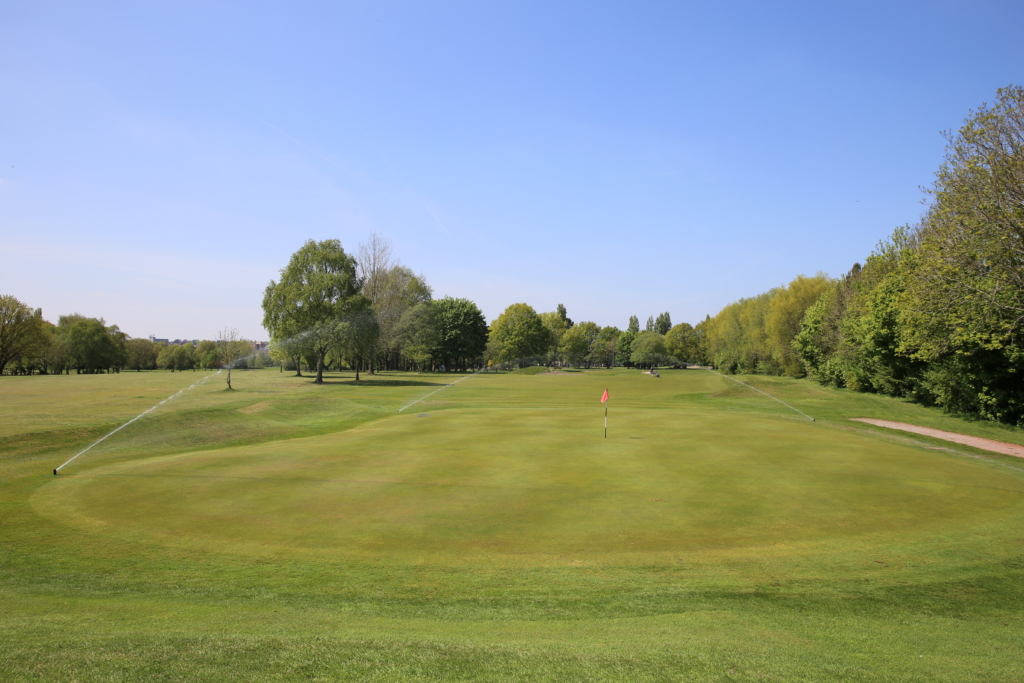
[(495, 485)]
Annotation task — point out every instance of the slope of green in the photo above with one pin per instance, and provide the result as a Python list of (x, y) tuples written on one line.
[(288, 531)]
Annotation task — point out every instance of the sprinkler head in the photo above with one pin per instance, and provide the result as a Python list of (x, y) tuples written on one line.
[(55, 472)]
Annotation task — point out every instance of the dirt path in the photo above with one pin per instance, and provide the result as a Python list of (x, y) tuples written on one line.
[(975, 441)]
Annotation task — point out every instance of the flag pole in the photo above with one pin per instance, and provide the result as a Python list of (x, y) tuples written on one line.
[(604, 400)]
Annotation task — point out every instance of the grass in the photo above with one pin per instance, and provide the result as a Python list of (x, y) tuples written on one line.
[(287, 531)]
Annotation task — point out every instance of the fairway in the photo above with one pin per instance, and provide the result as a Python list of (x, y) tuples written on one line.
[(287, 531)]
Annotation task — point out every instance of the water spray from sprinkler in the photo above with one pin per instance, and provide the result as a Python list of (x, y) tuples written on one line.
[(137, 417)]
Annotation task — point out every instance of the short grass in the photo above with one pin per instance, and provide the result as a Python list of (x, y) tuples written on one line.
[(287, 531)]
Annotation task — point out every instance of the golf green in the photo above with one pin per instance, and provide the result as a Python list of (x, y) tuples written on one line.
[(539, 485), (408, 528)]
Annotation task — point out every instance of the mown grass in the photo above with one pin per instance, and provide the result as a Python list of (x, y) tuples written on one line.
[(288, 531)]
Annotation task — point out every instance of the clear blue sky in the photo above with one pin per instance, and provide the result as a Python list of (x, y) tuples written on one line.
[(159, 162)]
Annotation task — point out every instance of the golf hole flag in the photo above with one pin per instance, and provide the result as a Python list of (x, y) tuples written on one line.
[(604, 400)]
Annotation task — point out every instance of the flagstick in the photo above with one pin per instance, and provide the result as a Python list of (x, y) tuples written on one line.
[(606, 419)]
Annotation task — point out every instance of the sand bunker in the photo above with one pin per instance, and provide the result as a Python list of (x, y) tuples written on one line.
[(975, 441)]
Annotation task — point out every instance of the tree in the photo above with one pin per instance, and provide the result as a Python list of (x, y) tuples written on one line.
[(418, 333), (357, 333), (634, 325), (683, 343), (785, 312), (556, 326), (395, 291), (230, 350), (20, 329), (602, 351), (648, 349), (521, 333), (560, 309), (206, 354), (663, 323), (92, 346), (461, 331), (318, 290), (50, 351), (142, 353), (577, 342), (624, 344)]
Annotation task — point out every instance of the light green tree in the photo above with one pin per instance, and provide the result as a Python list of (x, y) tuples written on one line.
[(521, 333), (683, 343), (556, 325), (578, 341)]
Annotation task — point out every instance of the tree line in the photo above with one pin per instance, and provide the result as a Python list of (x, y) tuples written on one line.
[(935, 313), (31, 345), (368, 312)]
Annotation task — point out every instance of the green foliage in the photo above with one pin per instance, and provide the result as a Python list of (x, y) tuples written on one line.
[(318, 291), (560, 309), (936, 314), (206, 354), (683, 342), (578, 341), (663, 323), (605, 347), (648, 349), (556, 325), (20, 330), (521, 333), (91, 346), (624, 345), (142, 354), (461, 332), (755, 335)]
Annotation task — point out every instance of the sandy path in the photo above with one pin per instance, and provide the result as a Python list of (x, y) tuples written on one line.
[(975, 441)]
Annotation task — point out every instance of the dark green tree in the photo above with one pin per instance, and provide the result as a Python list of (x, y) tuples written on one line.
[(461, 332), (663, 323)]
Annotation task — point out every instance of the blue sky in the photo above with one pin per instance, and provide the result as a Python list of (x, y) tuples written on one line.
[(159, 162)]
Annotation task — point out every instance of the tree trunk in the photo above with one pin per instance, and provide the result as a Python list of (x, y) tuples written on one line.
[(320, 368)]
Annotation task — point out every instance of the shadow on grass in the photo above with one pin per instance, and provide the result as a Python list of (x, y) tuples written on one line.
[(385, 382)]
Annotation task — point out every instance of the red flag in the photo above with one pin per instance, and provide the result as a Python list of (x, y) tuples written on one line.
[(604, 397)]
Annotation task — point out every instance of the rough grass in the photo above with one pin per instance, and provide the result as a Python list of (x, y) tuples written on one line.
[(288, 531)]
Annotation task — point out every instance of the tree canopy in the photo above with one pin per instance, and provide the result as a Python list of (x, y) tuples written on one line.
[(318, 290), (520, 332)]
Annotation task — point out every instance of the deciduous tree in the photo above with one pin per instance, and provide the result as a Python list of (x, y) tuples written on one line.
[(521, 333), (317, 291), (20, 329)]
